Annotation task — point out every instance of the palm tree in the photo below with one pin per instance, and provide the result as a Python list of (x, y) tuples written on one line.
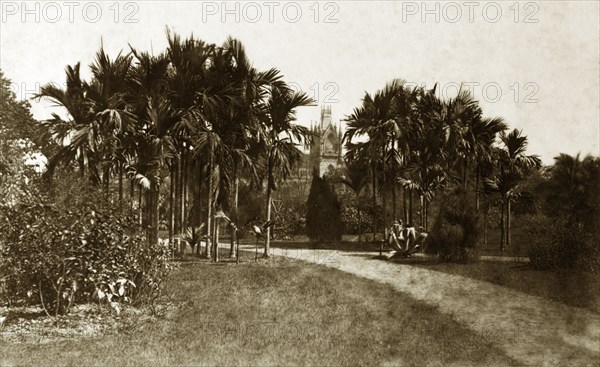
[(482, 134), (155, 119), (98, 118), (74, 134), (106, 93), (280, 137), (573, 189), (366, 151), (242, 119), (382, 118), (223, 136), (188, 82), (429, 147), (513, 165)]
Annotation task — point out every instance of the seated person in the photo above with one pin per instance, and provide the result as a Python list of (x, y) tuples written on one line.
[(397, 237)]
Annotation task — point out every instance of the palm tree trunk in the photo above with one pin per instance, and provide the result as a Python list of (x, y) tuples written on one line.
[(171, 203), (215, 237), (477, 189), (131, 194), (421, 199), (155, 214), (269, 203), (140, 209), (383, 201), (182, 221), (426, 214), (199, 204), (144, 210), (120, 167), (177, 201), (236, 183), (215, 240), (508, 247), (151, 214), (215, 223), (410, 207), (359, 223), (384, 206), (208, 250), (404, 206), (502, 227), (485, 224), (374, 178)]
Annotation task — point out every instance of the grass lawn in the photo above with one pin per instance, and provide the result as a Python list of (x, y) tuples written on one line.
[(575, 289), (275, 312)]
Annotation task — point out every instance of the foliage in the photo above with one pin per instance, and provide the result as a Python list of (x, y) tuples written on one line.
[(62, 253), (568, 236), (14, 173), (410, 136), (558, 245), (17, 144), (573, 191), (290, 209), (195, 111), (351, 220), (455, 232), (16, 122), (323, 212)]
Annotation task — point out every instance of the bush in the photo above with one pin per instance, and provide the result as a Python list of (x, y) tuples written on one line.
[(323, 216), (351, 221), (561, 245), (64, 254), (290, 210), (455, 232)]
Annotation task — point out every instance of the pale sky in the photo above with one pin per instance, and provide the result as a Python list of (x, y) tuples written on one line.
[(536, 64)]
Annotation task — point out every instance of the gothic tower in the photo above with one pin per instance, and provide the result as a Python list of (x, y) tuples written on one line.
[(326, 151)]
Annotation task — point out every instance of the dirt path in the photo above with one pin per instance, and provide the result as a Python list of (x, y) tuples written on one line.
[(532, 330)]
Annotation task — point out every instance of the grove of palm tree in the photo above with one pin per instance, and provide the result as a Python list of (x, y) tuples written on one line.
[(172, 136), (198, 116)]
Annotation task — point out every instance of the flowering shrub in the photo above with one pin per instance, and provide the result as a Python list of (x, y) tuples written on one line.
[(60, 255)]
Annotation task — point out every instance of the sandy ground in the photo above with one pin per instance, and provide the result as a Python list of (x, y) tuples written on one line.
[(532, 330)]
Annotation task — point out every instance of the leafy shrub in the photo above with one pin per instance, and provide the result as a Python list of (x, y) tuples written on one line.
[(63, 254), (353, 222), (289, 209), (455, 232), (561, 245), (323, 215)]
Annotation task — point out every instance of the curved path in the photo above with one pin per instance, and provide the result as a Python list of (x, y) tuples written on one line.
[(530, 329)]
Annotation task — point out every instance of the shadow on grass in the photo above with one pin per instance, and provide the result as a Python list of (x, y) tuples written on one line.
[(571, 288)]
